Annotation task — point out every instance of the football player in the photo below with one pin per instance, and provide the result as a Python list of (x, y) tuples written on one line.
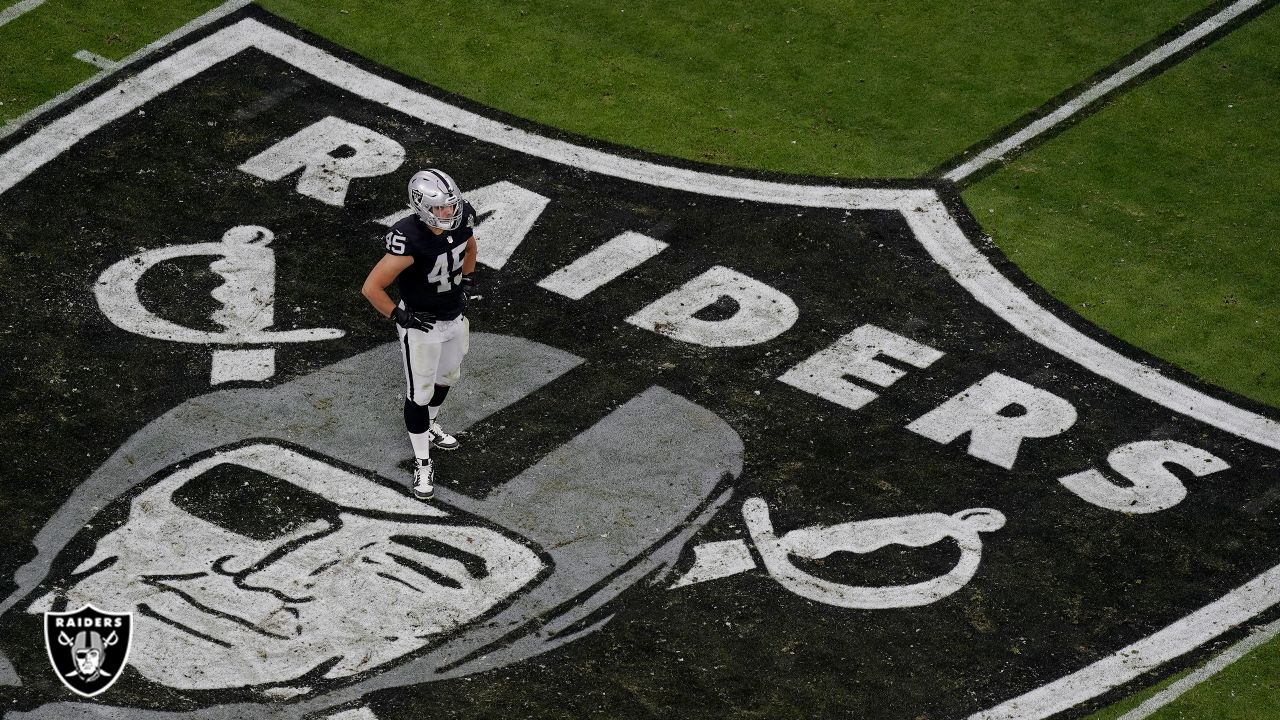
[(431, 258)]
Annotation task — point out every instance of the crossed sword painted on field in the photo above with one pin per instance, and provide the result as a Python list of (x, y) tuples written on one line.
[(716, 560)]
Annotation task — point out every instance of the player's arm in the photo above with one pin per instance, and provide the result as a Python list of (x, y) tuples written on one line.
[(469, 268), (380, 278), (469, 257)]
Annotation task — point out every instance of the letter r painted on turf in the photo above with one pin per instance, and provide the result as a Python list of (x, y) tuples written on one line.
[(995, 436), (331, 153)]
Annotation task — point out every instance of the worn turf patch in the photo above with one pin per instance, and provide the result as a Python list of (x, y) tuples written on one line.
[(733, 444)]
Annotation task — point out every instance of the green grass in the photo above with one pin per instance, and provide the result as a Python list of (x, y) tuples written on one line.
[(870, 88), (1153, 219), (1118, 710), (36, 49), (1248, 689), (1157, 218)]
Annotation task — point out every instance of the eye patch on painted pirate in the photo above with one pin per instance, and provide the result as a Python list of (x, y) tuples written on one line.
[(251, 503)]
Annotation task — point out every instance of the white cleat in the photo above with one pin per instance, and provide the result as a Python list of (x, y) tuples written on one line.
[(440, 439), (424, 479)]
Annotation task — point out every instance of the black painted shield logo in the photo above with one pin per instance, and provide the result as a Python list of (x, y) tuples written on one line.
[(88, 647), (787, 445)]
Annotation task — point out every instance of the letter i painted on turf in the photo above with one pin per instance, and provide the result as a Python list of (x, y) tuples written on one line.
[(622, 254)]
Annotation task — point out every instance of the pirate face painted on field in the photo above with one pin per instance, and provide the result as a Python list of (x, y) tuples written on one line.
[(260, 565), (87, 662), (87, 650)]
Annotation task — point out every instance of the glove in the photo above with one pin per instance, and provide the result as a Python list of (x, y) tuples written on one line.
[(468, 285), (420, 320)]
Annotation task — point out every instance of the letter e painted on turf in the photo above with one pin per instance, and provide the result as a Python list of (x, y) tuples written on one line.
[(763, 313), (1142, 463), (995, 436), (854, 355), (331, 153)]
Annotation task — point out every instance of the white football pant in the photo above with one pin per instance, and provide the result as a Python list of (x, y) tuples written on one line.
[(433, 357)]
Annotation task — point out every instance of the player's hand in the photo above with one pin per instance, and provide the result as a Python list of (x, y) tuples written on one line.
[(420, 320), (468, 285)]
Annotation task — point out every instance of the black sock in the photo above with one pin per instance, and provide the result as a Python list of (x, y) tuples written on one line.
[(417, 419)]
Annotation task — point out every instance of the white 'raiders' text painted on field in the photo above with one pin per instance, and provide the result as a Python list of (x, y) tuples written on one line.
[(763, 313)]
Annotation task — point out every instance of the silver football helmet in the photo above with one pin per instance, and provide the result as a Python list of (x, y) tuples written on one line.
[(435, 197)]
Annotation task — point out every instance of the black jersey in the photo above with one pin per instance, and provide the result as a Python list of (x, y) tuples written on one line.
[(432, 282)]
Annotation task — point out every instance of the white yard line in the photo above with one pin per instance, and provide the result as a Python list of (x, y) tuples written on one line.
[(1218, 617), (219, 12), (13, 11), (1256, 639), (94, 59), (1104, 87)]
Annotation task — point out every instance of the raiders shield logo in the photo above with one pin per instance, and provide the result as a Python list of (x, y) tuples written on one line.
[(88, 647), (778, 442)]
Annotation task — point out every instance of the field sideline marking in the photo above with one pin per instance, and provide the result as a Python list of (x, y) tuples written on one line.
[(1256, 639), (1145, 655), (1104, 87), (922, 207), (13, 11), (219, 12)]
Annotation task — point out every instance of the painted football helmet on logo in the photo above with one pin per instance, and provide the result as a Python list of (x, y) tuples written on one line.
[(249, 548), (89, 650), (435, 197)]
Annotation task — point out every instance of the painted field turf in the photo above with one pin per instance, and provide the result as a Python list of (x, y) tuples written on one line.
[(1151, 219)]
